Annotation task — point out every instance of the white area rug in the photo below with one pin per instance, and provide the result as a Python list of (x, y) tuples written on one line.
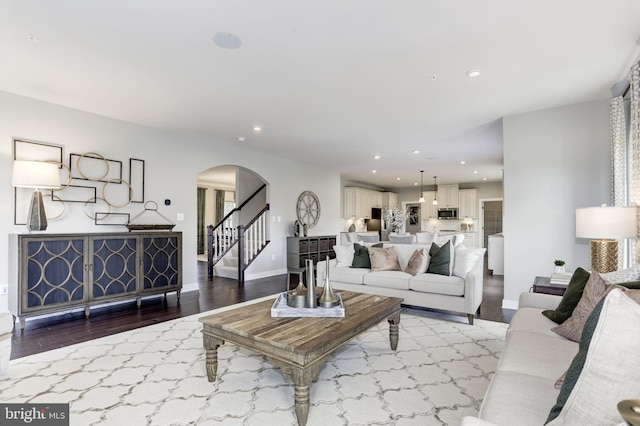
[(156, 376)]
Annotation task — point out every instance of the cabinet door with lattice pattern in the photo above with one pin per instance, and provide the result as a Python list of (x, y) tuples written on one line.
[(114, 266), (161, 261)]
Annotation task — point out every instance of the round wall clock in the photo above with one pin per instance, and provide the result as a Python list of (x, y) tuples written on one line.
[(308, 208)]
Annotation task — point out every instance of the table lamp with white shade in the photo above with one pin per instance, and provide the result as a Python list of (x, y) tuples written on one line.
[(37, 175), (604, 225)]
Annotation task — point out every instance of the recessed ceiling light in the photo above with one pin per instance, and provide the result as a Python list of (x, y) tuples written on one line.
[(227, 40), (473, 73), (463, 162), (416, 151), (376, 157), (32, 39), (397, 178), (434, 77), (374, 171), (257, 128), (475, 172), (484, 178), (415, 183), (241, 139)]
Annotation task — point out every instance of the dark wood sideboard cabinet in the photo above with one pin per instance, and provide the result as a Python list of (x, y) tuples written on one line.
[(51, 273), (299, 249)]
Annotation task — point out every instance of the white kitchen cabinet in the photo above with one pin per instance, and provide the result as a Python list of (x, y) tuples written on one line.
[(448, 195), (428, 210), (389, 200), (468, 204), (358, 202), (348, 203)]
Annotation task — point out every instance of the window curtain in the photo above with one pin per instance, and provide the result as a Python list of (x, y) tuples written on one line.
[(618, 133), (201, 200), (219, 205), (634, 132)]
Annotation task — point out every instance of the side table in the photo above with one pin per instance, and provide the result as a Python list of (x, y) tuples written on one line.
[(543, 285)]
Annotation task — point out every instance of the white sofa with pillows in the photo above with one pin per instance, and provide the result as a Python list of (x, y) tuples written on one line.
[(442, 275), (576, 368)]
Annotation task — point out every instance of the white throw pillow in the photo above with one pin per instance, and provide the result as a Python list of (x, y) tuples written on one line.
[(622, 276), (344, 255), (466, 259), (607, 367)]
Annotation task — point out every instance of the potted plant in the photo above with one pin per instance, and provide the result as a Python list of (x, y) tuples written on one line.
[(559, 268)]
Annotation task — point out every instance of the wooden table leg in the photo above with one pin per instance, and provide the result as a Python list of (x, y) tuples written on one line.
[(302, 379), (211, 345), (394, 323)]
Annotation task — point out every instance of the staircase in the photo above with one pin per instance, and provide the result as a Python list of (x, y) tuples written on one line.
[(231, 249)]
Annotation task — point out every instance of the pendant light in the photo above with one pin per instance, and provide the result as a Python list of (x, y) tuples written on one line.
[(421, 199), (435, 198)]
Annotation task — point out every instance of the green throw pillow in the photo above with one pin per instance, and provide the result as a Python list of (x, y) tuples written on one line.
[(570, 299), (361, 256), (440, 259)]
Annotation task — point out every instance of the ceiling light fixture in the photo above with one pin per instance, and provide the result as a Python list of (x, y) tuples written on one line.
[(463, 162), (397, 178), (484, 178), (415, 183), (435, 196), (32, 39), (415, 151), (374, 171), (376, 157), (475, 172), (241, 139), (257, 128), (421, 199), (227, 40), (473, 73)]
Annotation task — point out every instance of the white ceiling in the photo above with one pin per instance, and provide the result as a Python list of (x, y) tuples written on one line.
[(331, 82)]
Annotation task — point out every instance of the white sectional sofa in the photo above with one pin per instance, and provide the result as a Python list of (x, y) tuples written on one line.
[(450, 293), (601, 372), (522, 390)]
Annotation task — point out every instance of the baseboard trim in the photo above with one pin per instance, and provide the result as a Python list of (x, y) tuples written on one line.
[(265, 274)]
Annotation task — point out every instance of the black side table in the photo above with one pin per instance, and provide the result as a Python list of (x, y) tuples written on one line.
[(543, 285)]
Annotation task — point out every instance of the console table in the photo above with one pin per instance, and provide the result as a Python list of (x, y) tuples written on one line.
[(543, 285), (58, 272)]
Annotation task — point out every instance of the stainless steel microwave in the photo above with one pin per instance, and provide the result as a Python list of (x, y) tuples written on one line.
[(448, 214)]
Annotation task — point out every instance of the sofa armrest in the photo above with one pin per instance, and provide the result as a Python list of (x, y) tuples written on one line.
[(539, 300), (474, 421), (473, 288)]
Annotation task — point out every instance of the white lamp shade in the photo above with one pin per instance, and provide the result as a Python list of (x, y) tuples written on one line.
[(606, 222), (35, 174)]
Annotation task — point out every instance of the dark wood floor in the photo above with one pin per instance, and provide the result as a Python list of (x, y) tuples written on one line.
[(43, 334)]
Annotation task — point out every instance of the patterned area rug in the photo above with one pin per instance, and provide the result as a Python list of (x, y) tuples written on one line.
[(156, 376)]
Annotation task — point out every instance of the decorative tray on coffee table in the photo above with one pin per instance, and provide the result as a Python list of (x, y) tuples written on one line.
[(280, 309)]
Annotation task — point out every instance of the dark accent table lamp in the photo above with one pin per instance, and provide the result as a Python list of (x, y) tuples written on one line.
[(604, 226), (37, 175)]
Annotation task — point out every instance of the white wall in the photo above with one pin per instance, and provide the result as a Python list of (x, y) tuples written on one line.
[(555, 161), (173, 162)]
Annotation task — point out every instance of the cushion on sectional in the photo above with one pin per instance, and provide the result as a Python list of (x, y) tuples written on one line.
[(529, 320), (418, 263), (388, 279), (344, 255), (570, 299), (605, 370), (384, 259), (622, 276), (361, 256), (595, 290), (441, 257), (466, 259), (347, 274), (438, 284)]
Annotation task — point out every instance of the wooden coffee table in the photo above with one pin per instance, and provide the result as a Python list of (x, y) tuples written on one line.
[(298, 346)]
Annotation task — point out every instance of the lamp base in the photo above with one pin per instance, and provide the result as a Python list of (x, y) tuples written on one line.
[(604, 255), (36, 219)]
